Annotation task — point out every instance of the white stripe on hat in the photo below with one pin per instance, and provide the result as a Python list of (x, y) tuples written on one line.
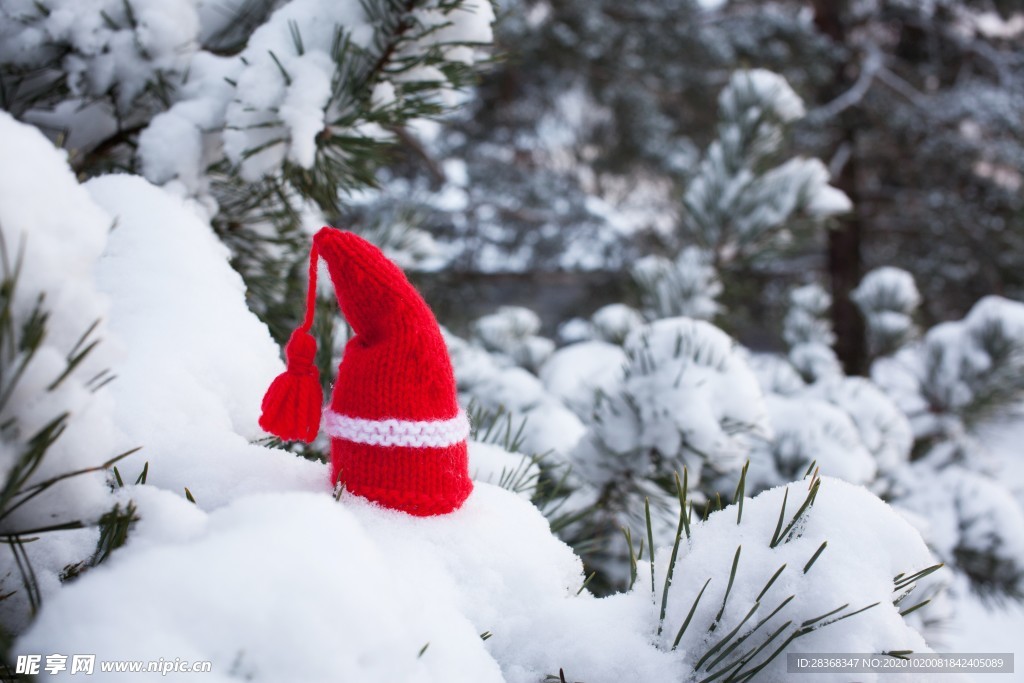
[(392, 432)]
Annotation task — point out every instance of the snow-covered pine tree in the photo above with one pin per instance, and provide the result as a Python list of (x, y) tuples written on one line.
[(957, 381), (513, 331), (269, 114), (888, 299), (747, 208), (688, 286), (808, 333), (684, 398), (744, 204)]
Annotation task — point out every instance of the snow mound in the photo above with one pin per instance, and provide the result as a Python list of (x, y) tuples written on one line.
[(197, 360), (864, 552), (52, 235), (265, 589)]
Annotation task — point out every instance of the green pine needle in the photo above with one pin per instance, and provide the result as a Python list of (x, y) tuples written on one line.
[(650, 538), (689, 615), (815, 556)]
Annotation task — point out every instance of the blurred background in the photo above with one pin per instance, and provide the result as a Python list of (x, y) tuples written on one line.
[(580, 150)]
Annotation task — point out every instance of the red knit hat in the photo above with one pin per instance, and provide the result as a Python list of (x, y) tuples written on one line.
[(398, 435)]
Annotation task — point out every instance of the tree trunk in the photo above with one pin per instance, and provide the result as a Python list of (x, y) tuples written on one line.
[(845, 264)]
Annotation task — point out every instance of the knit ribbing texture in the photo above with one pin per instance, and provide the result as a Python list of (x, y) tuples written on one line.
[(394, 432)]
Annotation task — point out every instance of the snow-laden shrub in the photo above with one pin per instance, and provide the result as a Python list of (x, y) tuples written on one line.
[(580, 373), (776, 374), (815, 362), (958, 378), (613, 322), (687, 397), (888, 298), (847, 425), (882, 428), (399, 236), (512, 330), (971, 522), (132, 53), (575, 330), (688, 286), (808, 333), (816, 566), (807, 320), (272, 113), (808, 431), (740, 206), (283, 94), (500, 390), (960, 375)]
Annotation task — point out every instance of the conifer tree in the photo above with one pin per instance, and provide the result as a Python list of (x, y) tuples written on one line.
[(270, 114)]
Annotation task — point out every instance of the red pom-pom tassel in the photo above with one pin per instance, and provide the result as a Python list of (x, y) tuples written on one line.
[(293, 404)]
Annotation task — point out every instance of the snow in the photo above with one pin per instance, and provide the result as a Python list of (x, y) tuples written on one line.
[(271, 103), (686, 394), (738, 203), (223, 598), (424, 589), (775, 374), (173, 146), (848, 426), (983, 624), (971, 522), (469, 24), (284, 96), (578, 373), (492, 464), (806, 320), (512, 330), (942, 381), (825, 200), (992, 25), (986, 627), (103, 48), (614, 322), (489, 383), (864, 552), (882, 428), (695, 283), (805, 431), (575, 330), (808, 332), (57, 243), (815, 361), (228, 581), (271, 577), (550, 426), (888, 299), (175, 298), (765, 87)]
